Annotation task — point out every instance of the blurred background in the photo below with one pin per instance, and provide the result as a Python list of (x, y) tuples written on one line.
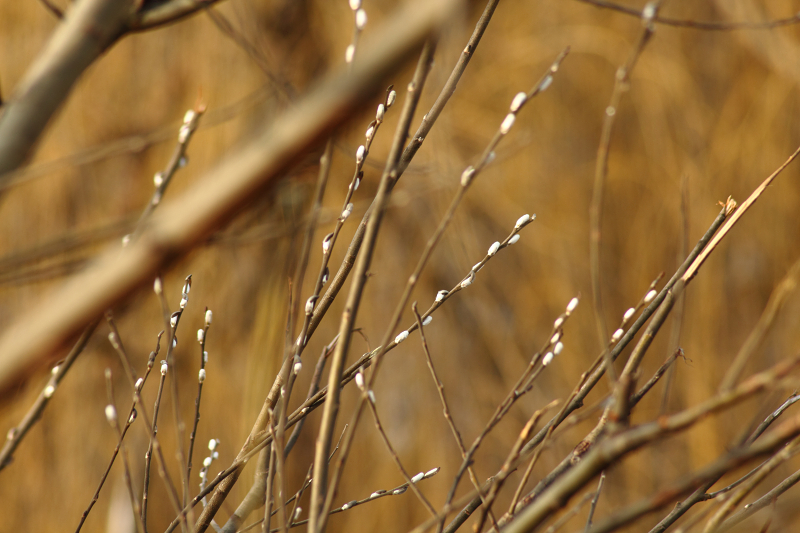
[(709, 115)]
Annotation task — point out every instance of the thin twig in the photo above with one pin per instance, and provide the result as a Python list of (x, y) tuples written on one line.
[(15, 435), (116, 342), (131, 417), (411, 483), (698, 24), (408, 154), (621, 86), (595, 498), (321, 495), (111, 416)]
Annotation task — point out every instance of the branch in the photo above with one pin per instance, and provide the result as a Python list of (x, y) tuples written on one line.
[(88, 29)]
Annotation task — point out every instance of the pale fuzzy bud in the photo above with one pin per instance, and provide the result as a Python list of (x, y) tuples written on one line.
[(467, 175), (547, 359), (111, 414), (173, 320), (513, 239), (187, 285), (555, 338), (370, 132), (310, 305), (521, 221), (360, 380), (361, 19), (391, 98), (493, 248), (201, 335), (371, 396), (427, 320), (326, 243), (546, 82), (48, 391), (164, 368), (617, 335), (349, 53), (201, 375), (132, 417), (356, 184), (572, 305), (517, 102), (184, 301), (126, 239), (205, 357), (297, 512), (348, 505), (403, 335), (202, 474), (139, 383), (432, 472), (380, 113), (174, 342), (558, 348), (183, 161), (183, 134), (649, 12), (208, 316), (298, 366), (112, 338), (347, 211), (326, 275), (505, 126), (401, 490), (355, 4), (650, 296), (559, 321), (215, 455), (418, 477), (54, 370), (491, 157), (377, 494), (360, 153), (189, 116), (158, 179), (476, 267), (212, 444), (207, 462), (628, 314), (468, 280), (157, 288), (440, 295)]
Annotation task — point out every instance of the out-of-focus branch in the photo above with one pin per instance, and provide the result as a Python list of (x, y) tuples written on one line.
[(218, 196), (160, 14), (89, 27), (699, 24)]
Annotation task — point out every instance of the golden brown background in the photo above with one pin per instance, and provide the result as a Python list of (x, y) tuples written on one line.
[(709, 113)]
